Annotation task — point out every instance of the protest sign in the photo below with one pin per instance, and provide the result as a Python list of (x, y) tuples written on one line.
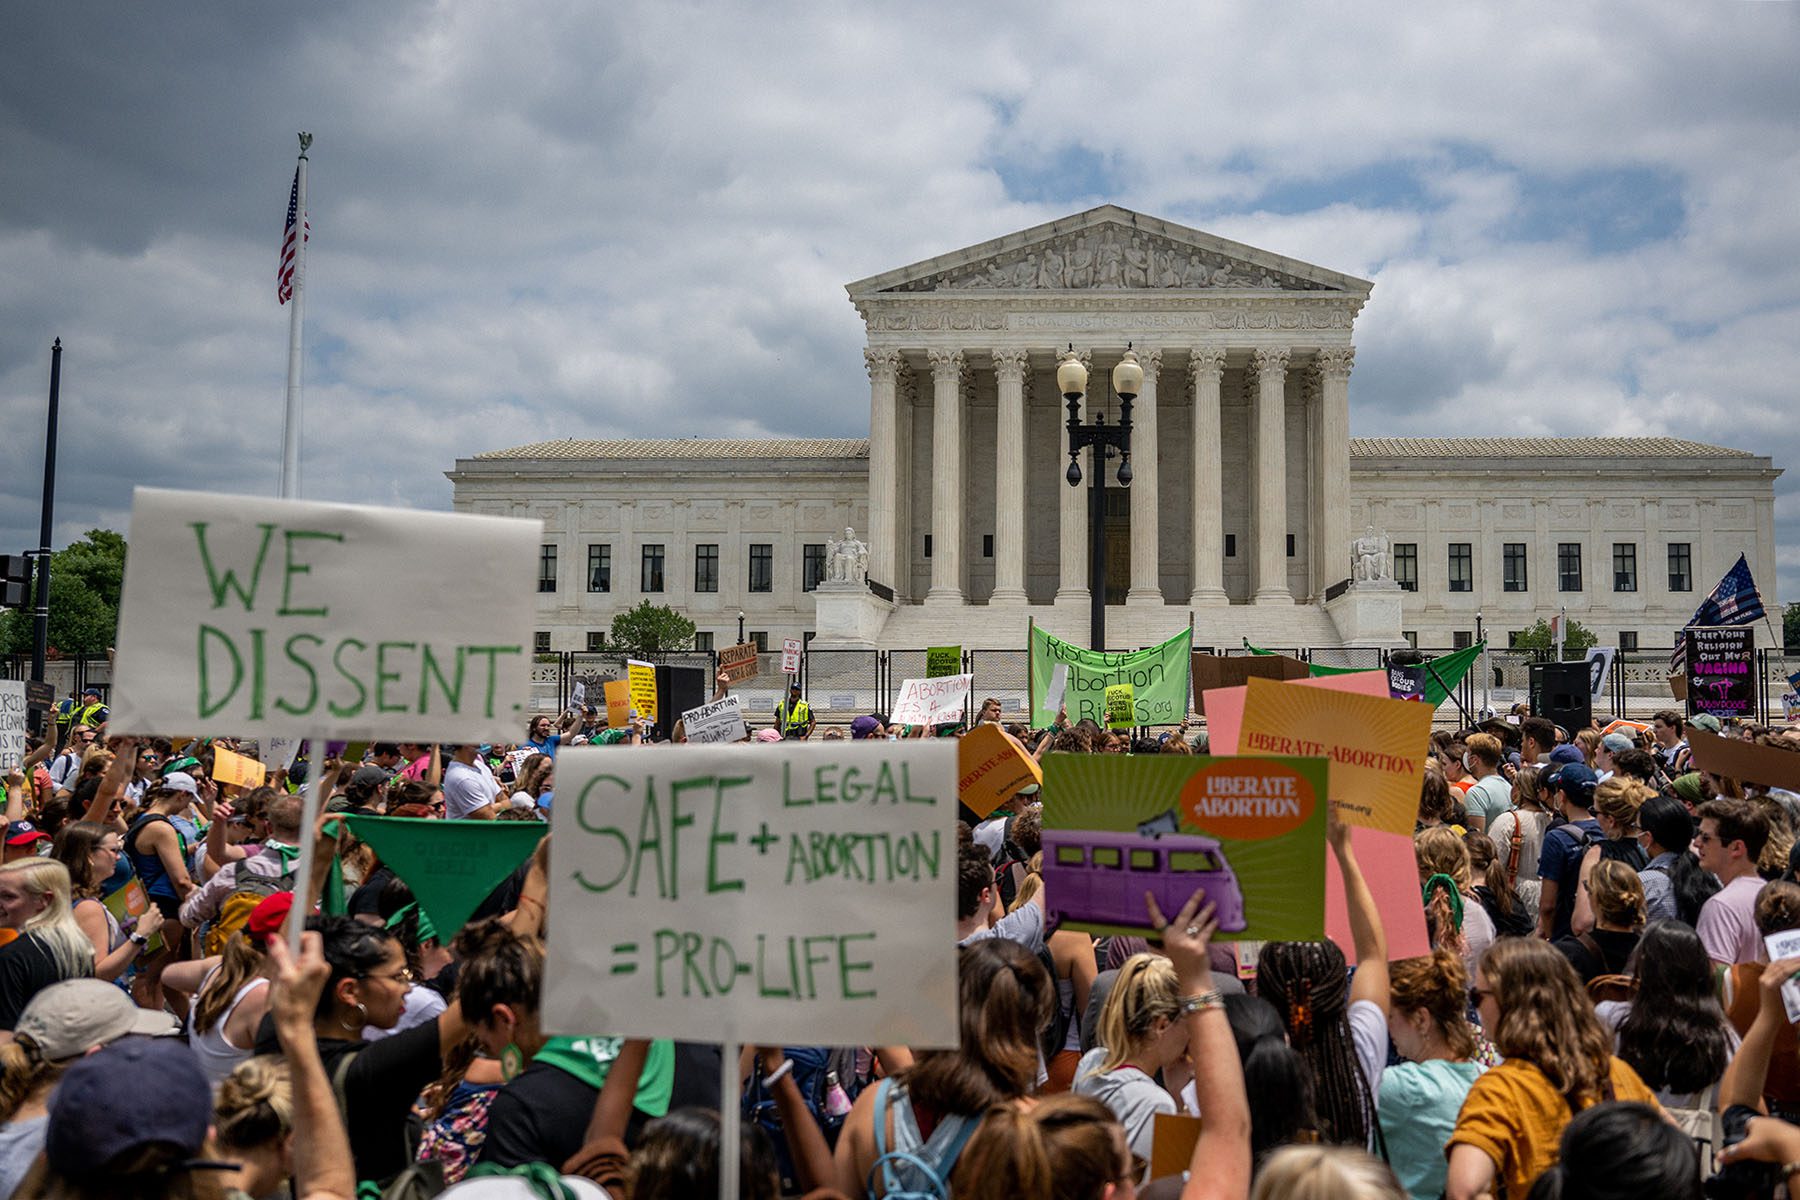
[(1406, 682), (578, 696), (1441, 674), (740, 662), (1059, 686), (1600, 661), (1790, 706), (1120, 709), (281, 753), (1376, 746), (991, 768), (727, 893), (236, 770), (451, 866), (1734, 758), (1158, 676), (13, 711), (1225, 706), (1213, 671), (39, 694), (1173, 1137), (932, 701), (127, 904), (1721, 671), (1782, 944), (790, 656), (720, 721), (618, 703), (943, 660), (1249, 831), (1391, 870), (245, 616), (642, 677)]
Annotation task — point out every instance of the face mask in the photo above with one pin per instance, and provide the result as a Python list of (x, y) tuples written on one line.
[(1468, 763)]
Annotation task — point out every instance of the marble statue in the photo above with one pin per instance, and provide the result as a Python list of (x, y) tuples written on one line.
[(847, 561), (1369, 557)]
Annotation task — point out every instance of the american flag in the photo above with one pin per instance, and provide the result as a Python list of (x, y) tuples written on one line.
[(284, 275), (1734, 602)]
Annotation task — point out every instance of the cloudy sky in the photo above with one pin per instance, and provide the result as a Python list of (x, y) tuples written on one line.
[(550, 218)]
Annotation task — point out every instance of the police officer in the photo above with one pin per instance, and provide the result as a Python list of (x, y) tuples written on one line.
[(794, 716)]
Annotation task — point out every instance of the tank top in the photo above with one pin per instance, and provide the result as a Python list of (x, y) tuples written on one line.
[(149, 867), (217, 1056)]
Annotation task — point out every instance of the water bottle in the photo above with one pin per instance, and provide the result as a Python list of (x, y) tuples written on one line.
[(837, 1101)]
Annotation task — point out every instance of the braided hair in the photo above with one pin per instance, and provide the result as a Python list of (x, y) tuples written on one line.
[(1309, 986)]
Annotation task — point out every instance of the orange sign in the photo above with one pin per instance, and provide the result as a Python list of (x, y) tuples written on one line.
[(618, 703), (991, 768), (1248, 800), (237, 770), (1377, 746)]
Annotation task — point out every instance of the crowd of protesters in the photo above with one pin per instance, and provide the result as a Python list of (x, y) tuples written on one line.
[(1596, 1016)]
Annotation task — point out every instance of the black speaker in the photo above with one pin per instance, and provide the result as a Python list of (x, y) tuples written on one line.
[(1562, 693), (678, 689)]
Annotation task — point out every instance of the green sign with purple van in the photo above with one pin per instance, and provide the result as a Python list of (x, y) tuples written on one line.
[(1249, 832)]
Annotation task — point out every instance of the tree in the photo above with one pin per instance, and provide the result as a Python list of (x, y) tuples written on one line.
[(1790, 626), (651, 629), (1578, 639), (86, 579)]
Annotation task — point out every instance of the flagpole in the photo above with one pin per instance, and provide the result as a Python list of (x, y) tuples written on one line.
[(290, 426)]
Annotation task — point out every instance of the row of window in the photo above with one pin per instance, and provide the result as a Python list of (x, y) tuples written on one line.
[(703, 641), (1462, 639), (1515, 570), (652, 573)]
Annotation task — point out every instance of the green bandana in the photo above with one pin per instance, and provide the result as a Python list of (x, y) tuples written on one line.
[(589, 1059), (1456, 900), (451, 866), (427, 931)]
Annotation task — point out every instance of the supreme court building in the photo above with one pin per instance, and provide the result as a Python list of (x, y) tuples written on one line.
[(1247, 488)]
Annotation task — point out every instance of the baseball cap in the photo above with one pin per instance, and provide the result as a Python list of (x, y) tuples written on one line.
[(181, 781), (864, 727), (768, 735), (68, 1019), (91, 691), (1707, 722), (370, 774), (24, 833), (86, 1137), (1567, 754), (265, 920), (1574, 777), (1615, 742)]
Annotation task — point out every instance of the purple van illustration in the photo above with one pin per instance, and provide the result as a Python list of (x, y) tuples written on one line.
[(1102, 877)]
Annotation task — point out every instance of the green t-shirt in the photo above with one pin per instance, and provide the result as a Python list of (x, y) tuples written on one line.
[(1417, 1109), (589, 1059)]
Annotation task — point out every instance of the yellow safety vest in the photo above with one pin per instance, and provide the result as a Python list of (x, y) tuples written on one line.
[(795, 721)]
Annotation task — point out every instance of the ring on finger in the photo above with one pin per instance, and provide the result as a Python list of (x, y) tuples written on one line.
[(1193, 931)]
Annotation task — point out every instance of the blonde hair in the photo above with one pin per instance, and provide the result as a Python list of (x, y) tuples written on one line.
[(56, 926), (1439, 851), (1144, 993), (1618, 800), (1588, 741), (1617, 894), (1032, 884), (1326, 1173), (255, 1104)]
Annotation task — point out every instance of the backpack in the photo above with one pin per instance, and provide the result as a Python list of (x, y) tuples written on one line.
[(922, 1174), (812, 1064), (1704, 1126), (248, 890)]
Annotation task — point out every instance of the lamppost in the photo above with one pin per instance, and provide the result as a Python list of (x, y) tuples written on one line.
[(1071, 381), (740, 640), (1487, 677)]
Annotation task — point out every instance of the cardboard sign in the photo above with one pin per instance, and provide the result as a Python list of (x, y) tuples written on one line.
[(1376, 746), (1391, 870), (237, 770), (991, 768), (1721, 671), (725, 893), (740, 662), (13, 711), (642, 677), (1211, 672), (943, 660), (1250, 832), (932, 701), (1173, 1137), (1225, 706), (247, 616), (720, 721), (618, 703), (1120, 710), (1734, 758), (281, 753), (790, 656)]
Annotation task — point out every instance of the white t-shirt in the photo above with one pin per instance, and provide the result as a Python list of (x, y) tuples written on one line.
[(468, 788)]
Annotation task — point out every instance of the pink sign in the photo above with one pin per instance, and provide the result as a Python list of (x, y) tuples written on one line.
[(1392, 873), (1225, 706)]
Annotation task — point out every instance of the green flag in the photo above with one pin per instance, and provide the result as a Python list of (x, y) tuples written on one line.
[(1446, 670), (1158, 677), (451, 866)]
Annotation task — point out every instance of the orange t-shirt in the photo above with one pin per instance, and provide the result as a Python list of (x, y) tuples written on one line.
[(1517, 1116)]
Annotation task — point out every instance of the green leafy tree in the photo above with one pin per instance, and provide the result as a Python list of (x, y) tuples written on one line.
[(651, 629), (1578, 639), (86, 579), (1790, 626)]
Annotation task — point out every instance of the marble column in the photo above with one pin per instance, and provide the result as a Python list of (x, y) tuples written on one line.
[(1146, 496), (947, 499), (1331, 481), (1205, 365), (1268, 470), (1072, 586), (885, 534), (1009, 478)]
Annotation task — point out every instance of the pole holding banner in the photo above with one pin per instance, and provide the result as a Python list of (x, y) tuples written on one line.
[(40, 622), (730, 1114), (309, 838)]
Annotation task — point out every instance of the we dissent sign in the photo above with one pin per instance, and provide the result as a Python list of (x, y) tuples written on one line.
[(734, 893), (249, 616)]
